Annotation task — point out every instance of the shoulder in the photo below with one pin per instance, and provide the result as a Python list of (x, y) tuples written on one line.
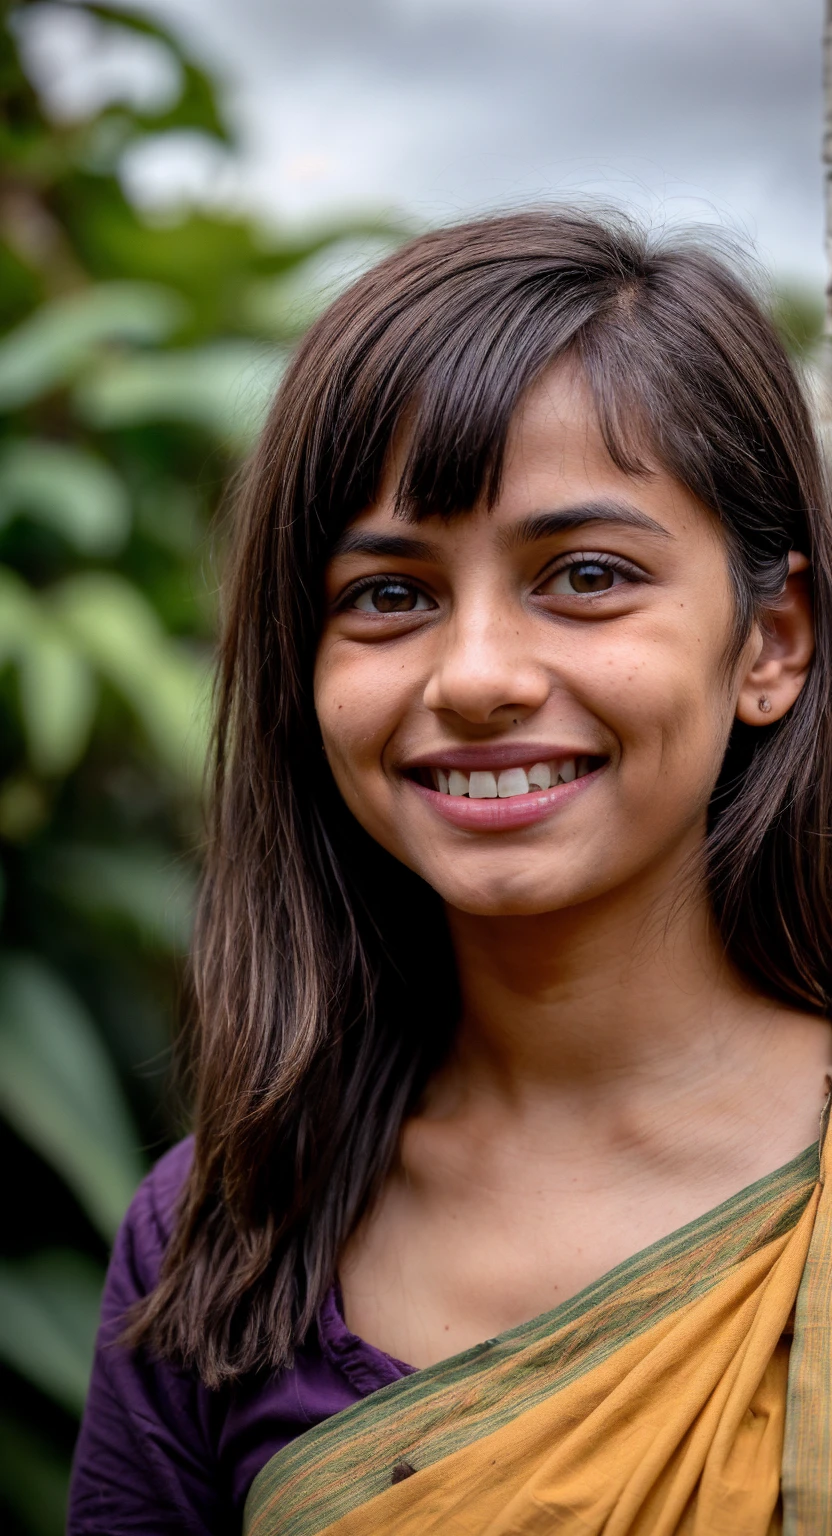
[(148, 1225)]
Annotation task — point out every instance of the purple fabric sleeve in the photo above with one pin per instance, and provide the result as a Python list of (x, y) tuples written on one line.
[(158, 1453)]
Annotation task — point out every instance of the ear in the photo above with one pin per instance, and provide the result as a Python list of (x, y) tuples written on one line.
[(783, 643)]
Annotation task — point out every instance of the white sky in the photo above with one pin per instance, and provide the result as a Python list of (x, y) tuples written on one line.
[(692, 109)]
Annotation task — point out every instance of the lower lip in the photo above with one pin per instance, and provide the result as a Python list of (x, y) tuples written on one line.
[(504, 815)]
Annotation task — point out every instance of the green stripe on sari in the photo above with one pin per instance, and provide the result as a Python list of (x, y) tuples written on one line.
[(346, 1461)]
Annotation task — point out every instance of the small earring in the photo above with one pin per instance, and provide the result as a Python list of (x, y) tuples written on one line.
[(764, 704)]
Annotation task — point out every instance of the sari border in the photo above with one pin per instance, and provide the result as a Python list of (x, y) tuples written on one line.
[(461, 1399)]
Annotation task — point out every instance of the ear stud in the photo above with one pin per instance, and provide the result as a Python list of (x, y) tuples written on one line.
[(764, 704)]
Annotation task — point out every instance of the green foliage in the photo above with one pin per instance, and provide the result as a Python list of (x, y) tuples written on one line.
[(798, 315), (60, 1092), (48, 1317), (136, 361)]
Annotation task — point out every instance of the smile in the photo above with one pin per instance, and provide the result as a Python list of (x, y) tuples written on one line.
[(506, 796), (482, 784)]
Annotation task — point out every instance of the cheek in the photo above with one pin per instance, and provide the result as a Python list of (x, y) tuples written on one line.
[(668, 703), (358, 702)]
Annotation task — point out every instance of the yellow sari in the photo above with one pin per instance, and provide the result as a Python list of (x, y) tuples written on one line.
[(686, 1393)]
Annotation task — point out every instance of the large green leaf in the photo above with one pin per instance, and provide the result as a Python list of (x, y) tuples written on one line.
[(225, 387), (58, 696), (67, 488), (60, 1092), (52, 345), (49, 1308), (19, 614), (165, 683), (57, 686), (99, 623)]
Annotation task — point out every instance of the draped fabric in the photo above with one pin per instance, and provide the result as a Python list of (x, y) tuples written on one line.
[(668, 1397)]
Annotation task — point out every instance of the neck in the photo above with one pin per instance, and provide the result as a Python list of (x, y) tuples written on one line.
[(631, 987)]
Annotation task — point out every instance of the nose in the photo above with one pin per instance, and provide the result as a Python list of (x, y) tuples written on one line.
[(485, 669)]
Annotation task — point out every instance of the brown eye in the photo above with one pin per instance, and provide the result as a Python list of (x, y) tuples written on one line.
[(590, 578), (390, 597), (582, 578)]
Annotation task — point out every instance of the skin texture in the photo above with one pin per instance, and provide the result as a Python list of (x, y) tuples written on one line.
[(613, 1077)]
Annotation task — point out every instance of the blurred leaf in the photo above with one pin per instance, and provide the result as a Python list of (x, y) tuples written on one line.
[(142, 887), (797, 312), (60, 1092), (49, 1307), (58, 692), (165, 684), (19, 614), (169, 513), (67, 488), (55, 342), (58, 699), (34, 1479), (225, 387), (196, 106), (211, 259), (286, 305)]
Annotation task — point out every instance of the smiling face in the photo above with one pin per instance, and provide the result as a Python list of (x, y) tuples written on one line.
[(529, 705)]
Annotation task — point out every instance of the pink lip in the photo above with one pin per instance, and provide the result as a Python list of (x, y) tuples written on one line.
[(506, 754), (503, 815)]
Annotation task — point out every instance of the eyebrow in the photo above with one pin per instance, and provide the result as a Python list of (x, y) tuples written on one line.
[(543, 525), (540, 525), (387, 545)]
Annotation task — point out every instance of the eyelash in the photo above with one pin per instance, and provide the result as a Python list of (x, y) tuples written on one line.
[(366, 584), (622, 567)]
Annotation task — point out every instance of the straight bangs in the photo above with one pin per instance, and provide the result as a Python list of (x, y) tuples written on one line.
[(671, 346)]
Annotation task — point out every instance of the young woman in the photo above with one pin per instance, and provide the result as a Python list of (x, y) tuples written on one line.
[(503, 1212)]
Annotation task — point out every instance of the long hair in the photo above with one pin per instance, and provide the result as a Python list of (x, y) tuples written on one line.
[(324, 981)]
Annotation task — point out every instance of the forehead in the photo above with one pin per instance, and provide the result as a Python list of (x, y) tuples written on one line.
[(556, 458), (555, 442)]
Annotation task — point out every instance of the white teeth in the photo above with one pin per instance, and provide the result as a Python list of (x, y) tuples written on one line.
[(512, 781), (540, 776), (483, 786)]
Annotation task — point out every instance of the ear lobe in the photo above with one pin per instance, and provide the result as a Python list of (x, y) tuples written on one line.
[(786, 640)]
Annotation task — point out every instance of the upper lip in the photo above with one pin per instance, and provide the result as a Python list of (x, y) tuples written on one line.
[(504, 754)]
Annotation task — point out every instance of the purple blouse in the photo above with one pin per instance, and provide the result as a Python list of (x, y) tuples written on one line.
[(158, 1452)]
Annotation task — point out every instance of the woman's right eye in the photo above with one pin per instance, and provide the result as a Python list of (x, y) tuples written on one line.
[(389, 597)]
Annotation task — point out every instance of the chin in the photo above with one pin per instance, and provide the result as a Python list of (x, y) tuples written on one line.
[(506, 898)]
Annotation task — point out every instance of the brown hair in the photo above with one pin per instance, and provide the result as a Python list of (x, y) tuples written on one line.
[(325, 985)]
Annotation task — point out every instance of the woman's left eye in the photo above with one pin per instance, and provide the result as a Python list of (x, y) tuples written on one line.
[(581, 578), (389, 597)]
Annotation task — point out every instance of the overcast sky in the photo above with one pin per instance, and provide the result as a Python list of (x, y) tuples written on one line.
[(693, 109)]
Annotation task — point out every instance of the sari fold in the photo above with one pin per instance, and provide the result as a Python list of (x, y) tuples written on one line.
[(654, 1403)]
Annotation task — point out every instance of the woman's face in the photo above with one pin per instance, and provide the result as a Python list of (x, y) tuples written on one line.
[(529, 706)]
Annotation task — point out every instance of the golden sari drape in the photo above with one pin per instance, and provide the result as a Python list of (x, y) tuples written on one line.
[(668, 1399)]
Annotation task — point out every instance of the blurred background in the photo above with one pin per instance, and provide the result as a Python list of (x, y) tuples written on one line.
[(183, 185)]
